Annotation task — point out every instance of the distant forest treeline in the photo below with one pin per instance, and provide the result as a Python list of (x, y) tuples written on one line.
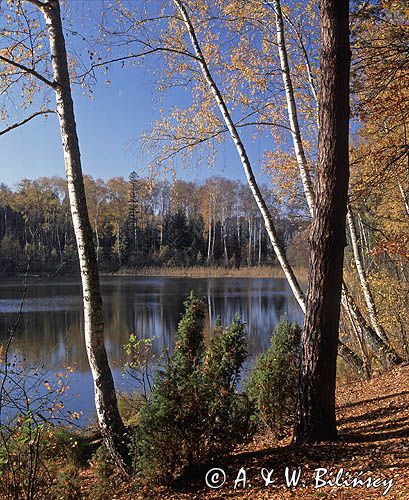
[(138, 224)]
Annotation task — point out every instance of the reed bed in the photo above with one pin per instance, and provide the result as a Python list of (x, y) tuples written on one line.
[(210, 272)]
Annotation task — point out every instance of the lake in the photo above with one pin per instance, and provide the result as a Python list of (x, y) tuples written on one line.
[(49, 330)]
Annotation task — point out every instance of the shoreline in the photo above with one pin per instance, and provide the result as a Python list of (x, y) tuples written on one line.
[(274, 272), (207, 272)]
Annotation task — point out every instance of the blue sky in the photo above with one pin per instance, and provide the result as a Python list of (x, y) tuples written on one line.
[(108, 126)]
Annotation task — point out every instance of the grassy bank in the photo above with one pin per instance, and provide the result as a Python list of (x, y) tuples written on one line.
[(211, 272)]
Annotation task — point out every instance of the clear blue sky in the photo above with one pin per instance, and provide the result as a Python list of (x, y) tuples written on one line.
[(108, 128)]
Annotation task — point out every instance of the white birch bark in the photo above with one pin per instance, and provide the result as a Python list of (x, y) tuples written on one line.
[(109, 419), (97, 231), (308, 187), (209, 240), (373, 316), (267, 217), (386, 353), (404, 198), (292, 110), (259, 243)]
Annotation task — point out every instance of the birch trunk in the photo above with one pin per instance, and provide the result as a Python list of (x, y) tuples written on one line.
[(351, 358), (225, 253), (97, 232), (209, 240), (267, 217), (213, 241), (308, 186), (249, 243), (292, 110), (259, 244), (388, 356), (357, 332), (118, 242), (370, 304), (404, 198), (109, 419)]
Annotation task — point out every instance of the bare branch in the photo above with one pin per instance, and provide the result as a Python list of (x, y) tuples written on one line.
[(136, 56), (28, 70), (26, 120), (37, 3)]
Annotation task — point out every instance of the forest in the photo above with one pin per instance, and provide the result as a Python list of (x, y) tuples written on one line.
[(138, 225), (313, 97)]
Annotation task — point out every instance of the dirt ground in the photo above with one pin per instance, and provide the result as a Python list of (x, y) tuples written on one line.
[(373, 419)]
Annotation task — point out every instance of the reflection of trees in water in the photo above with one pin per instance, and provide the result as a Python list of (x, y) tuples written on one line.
[(149, 308)]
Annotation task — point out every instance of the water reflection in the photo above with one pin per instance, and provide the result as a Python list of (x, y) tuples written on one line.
[(50, 328)]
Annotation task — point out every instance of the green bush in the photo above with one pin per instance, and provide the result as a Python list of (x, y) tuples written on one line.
[(272, 383), (75, 447), (195, 413)]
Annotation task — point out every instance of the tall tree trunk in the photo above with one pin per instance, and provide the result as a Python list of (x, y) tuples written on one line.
[(383, 345), (213, 241), (315, 415), (109, 419), (224, 237), (249, 244), (405, 198), (259, 243), (351, 358), (370, 304), (387, 355), (255, 190), (357, 333), (97, 232), (118, 242), (209, 240), (292, 110)]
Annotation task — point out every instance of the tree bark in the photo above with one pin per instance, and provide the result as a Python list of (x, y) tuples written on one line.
[(404, 198), (261, 204), (109, 419), (315, 415), (381, 343), (370, 304), (292, 110), (351, 358), (387, 355)]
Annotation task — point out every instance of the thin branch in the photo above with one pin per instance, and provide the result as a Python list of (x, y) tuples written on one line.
[(197, 141), (37, 3), (10, 339), (31, 71), (26, 120), (136, 56)]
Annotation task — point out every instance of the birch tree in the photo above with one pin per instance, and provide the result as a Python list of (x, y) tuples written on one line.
[(194, 129), (110, 422), (268, 220), (381, 344), (281, 256)]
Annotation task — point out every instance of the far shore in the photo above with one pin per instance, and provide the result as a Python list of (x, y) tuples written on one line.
[(209, 272), (184, 272)]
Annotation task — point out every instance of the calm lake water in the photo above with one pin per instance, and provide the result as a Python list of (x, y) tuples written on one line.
[(49, 331)]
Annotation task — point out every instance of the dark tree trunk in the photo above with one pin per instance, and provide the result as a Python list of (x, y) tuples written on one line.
[(315, 415)]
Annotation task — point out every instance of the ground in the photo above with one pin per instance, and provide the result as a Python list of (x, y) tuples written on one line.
[(373, 422)]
